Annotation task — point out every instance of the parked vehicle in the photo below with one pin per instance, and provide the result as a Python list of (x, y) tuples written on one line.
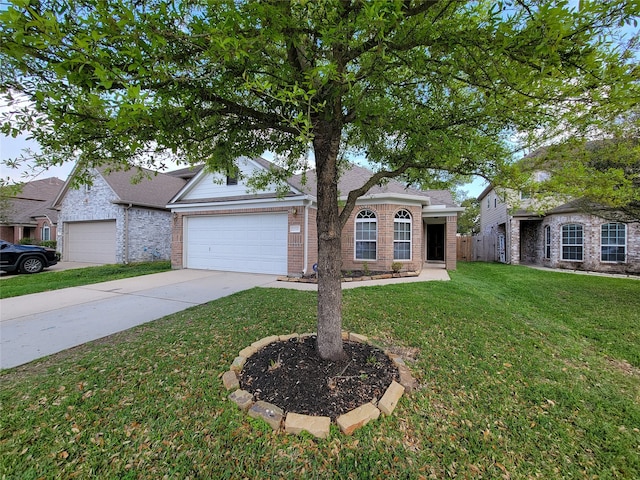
[(25, 258)]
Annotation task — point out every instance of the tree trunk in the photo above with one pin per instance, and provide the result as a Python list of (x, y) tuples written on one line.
[(326, 145)]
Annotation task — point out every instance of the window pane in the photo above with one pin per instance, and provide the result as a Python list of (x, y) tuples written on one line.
[(613, 242), (366, 250), (402, 251)]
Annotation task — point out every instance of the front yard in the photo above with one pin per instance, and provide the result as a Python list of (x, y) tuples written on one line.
[(523, 374)]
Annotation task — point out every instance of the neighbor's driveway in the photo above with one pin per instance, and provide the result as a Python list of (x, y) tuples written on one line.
[(40, 324)]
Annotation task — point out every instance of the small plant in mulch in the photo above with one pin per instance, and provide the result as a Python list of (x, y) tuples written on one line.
[(292, 376)]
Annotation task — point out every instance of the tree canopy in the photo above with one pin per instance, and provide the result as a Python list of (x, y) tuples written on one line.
[(426, 90)]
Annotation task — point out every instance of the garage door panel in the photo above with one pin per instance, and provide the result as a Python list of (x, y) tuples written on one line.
[(239, 243), (91, 242)]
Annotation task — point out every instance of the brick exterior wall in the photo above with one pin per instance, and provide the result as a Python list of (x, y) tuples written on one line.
[(385, 214), (451, 243), (592, 245), (148, 231)]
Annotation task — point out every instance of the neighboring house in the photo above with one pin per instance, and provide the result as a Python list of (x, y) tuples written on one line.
[(28, 214), (114, 220), (564, 236), (219, 224)]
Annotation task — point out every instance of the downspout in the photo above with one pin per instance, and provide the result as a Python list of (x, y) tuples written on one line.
[(126, 233), (306, 239)]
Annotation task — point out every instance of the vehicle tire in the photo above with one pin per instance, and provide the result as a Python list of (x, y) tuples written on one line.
[(31, 265)]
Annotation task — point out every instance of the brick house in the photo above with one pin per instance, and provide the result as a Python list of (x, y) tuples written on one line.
[(115, 220), (564, 236), (220, 224), (29, 213)]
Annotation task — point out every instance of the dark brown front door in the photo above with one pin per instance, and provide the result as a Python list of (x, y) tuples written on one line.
[(435, 243)]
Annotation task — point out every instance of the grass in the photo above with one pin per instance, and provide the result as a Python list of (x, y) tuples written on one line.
[(16, 285), (523, 374)]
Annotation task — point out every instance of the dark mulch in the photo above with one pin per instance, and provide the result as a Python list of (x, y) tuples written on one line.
[(292, 376)]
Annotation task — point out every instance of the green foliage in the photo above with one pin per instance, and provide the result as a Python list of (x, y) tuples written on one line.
[(429, 92), (469, 220), (523, 374)]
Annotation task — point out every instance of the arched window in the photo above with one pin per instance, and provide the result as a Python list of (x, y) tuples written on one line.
[(402, 236), (46, 233), (572, 242), (366, 237), (613, 242)]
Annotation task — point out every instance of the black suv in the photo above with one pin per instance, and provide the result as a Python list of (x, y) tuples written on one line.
[(25, 258)]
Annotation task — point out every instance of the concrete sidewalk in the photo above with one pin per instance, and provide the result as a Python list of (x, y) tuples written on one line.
[(40, 324)]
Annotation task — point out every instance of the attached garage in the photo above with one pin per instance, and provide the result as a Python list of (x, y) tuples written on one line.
[(91, 242), (255, 243)]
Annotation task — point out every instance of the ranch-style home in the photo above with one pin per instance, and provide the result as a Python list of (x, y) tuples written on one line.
[(218, 223), (115, 220)]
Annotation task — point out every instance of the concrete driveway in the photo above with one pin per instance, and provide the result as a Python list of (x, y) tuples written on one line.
[(40, 324)]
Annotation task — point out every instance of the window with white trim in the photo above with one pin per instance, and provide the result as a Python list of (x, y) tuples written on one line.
[(613, 242), (572, 242), (46, 233), (366, 237), (547, 242), (402, 236)]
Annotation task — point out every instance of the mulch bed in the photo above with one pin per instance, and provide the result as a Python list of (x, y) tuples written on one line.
[(292, 376)]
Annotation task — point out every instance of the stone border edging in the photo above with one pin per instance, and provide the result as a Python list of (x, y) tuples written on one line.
[(318, 426), (382, 276)]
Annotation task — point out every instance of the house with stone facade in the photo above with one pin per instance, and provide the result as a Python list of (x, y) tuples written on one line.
[(119, 218), (28, 214), (564, 235), (219, 223)]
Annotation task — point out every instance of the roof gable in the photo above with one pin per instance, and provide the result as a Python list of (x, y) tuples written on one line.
[(207, 186), (153, 189)]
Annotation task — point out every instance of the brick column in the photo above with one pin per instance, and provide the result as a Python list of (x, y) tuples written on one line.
[(451, 242)]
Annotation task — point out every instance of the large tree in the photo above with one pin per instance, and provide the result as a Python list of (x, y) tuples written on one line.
[(427, 90)]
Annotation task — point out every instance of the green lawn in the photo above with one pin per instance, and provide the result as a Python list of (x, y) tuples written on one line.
[(523, 374), (16, 285)]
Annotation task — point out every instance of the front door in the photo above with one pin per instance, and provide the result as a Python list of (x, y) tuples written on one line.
[(435, 243)]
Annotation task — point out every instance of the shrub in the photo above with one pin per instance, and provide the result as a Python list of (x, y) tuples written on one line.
[(396, 267)]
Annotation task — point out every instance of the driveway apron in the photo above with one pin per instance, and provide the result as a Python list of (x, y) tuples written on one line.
[(37, 325)]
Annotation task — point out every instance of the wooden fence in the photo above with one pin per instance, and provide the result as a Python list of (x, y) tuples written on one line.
[(479, 248)]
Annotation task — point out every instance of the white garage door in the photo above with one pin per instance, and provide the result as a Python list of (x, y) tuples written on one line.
[(91, 242), (237, 243)]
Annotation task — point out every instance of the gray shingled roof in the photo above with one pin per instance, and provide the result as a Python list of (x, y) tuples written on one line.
[(153, 190), (356, 176), (34, 200)]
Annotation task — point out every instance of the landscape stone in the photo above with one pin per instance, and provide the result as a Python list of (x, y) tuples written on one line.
[(242, 399), (296, 423), (406, 379), (284, 338), (265, 341), (390, 398), (238, 363), (230, 380), (356, 337), (247, 352), (359, 417), (268, 412)]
